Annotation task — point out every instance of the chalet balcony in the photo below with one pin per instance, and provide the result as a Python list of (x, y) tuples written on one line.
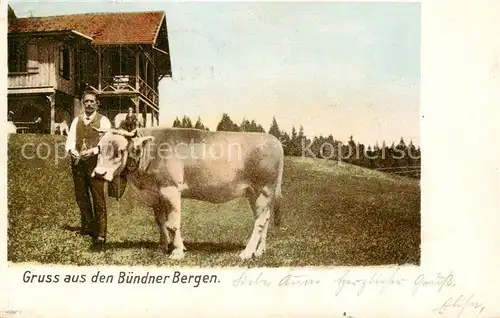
[(126, 84)]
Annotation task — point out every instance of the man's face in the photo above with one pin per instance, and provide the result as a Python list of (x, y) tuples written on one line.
[(90, 103)]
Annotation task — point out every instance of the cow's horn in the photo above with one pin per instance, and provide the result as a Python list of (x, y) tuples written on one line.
[(125, 133), (133, 133), (101, 130)]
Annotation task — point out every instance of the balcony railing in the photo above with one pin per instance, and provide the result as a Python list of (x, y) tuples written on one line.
[(148, 91), (124, 84), (118, 83)]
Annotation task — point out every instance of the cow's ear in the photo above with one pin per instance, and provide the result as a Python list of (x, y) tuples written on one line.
[(140, 142)]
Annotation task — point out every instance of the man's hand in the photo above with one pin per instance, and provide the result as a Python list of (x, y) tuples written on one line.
[(86, 154), (74, 154)]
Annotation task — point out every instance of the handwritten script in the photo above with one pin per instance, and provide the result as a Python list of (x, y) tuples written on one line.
[(259, 279), (380, 282), (376, 280), (459, 304), (348, 282)]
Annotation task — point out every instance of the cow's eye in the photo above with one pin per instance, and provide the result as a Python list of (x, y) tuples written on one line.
[(118, 154)]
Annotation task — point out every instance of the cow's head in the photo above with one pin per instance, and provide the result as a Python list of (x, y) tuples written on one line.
[(118, 149)]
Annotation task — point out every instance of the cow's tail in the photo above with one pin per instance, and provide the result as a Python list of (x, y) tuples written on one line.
[(277, 194)]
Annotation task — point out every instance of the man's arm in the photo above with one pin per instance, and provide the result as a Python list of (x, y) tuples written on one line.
[(71, 140)]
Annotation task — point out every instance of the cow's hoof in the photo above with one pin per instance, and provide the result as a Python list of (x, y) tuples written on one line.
[(177, 254), (244, 255), (259, 252)]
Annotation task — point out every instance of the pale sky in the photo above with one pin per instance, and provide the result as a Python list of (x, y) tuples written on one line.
[(335, 68)]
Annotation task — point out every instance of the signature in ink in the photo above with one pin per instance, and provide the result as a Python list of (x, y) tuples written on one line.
[(460, 303)]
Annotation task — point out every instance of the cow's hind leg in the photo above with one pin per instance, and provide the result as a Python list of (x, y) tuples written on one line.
[(263, 235), (172, 196), (261, 209)]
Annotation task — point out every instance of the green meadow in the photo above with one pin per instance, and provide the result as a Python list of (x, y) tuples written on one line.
[(335, 214)]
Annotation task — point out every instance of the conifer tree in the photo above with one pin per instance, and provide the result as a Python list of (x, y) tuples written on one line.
[(177, 122), (186, 122), (199, 125), (275, 129), (226, 124)]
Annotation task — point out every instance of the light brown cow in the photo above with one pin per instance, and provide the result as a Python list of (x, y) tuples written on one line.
[(165, 164)]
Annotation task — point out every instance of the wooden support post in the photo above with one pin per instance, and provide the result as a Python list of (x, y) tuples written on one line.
[(153, 70), (135, 100), (137, 70), (99, 62), (52, 102), (146, 72)]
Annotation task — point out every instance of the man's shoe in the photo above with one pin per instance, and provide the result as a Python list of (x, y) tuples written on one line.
[(98, 244), (99, 240)]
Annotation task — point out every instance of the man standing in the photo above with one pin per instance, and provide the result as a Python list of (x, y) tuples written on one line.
[(81, 145), (131, 121)]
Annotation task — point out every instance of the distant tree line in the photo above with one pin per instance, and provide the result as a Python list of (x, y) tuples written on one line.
[(401, 158), (186, 123)]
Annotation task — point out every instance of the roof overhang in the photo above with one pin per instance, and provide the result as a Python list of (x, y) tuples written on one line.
[(163, 60), (98, 43), (50, 33), (161, 47), (162, 20)]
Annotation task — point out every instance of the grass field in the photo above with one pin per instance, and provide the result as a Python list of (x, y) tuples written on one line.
[(334, 214)]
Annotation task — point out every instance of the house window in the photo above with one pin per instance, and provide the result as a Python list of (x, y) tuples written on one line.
[(18, 57), (64, 62)]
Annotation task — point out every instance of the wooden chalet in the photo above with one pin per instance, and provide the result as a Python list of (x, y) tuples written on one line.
[(52, 60)]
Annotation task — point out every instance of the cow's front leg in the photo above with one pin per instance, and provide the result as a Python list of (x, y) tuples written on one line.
[(161, 221), (172, 196)]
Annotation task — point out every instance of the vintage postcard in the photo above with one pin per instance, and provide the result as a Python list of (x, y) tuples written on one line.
[(238, 151)]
